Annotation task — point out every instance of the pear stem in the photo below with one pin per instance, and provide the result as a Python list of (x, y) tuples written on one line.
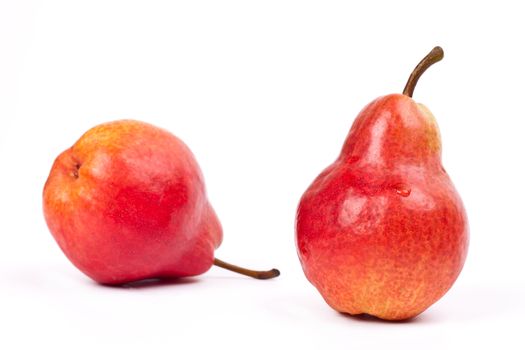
[(433, 56), (261, 275)]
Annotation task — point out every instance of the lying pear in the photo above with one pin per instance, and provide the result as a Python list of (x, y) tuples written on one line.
[(127, 202)]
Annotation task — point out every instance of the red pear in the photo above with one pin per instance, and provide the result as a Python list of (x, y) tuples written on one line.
[(382, 231), (127, 202)]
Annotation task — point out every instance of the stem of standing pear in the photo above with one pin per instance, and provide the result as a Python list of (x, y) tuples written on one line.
[(433, 56), (260, 275)]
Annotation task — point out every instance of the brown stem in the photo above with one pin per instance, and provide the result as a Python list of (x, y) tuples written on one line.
[(434, 56), (261, 275)]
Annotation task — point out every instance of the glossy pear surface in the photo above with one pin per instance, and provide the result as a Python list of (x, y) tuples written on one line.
[(127, 202), (382, 231)]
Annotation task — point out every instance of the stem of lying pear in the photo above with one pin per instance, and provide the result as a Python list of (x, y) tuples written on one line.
[(433, 56), (261, 275)]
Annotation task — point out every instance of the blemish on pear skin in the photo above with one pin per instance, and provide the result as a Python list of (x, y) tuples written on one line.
[(403, 191)]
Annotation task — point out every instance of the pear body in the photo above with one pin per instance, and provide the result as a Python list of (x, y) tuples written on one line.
[(382, 231), (127, 202)]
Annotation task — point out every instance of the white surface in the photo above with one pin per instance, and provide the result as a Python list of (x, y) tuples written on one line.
[(264, 94)]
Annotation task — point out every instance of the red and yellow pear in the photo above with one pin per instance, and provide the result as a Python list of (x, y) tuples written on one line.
[(127, 202), (382, 231)]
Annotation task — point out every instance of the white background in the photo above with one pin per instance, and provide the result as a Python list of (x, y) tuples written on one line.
[(264, 93)]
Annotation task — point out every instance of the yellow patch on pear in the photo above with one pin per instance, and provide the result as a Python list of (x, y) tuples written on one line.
[(432, 130)]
